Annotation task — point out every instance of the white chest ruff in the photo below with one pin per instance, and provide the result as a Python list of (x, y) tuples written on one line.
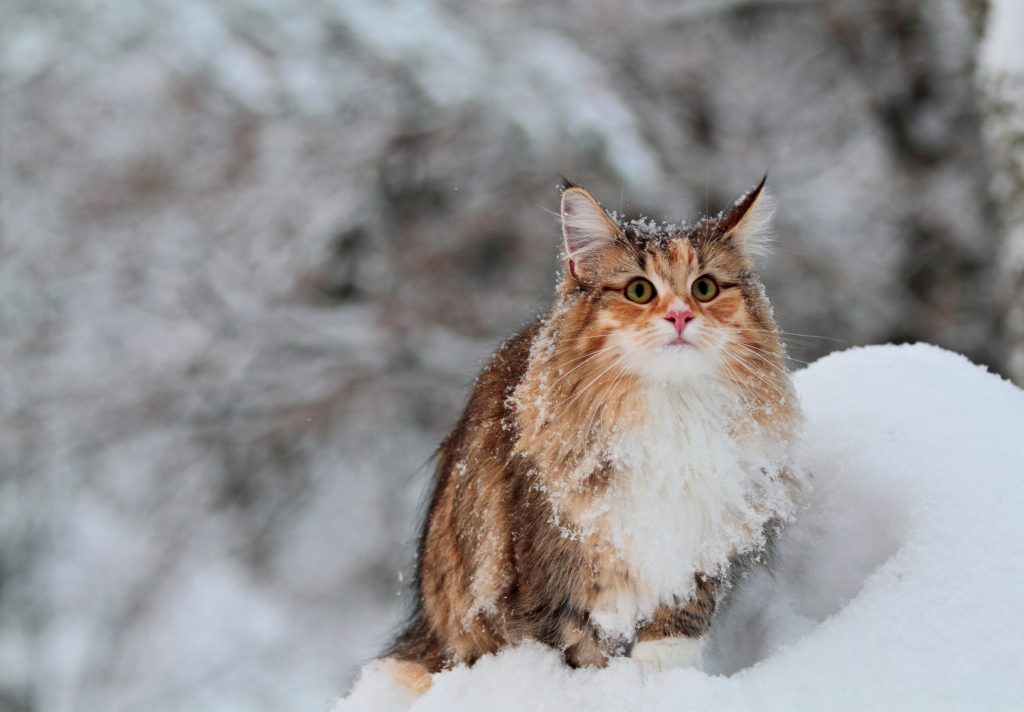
[(687, 497)]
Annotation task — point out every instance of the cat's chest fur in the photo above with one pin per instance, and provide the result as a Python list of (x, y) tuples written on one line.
[(685, 497)]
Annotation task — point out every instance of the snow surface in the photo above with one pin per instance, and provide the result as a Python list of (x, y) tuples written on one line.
[(898, 588)]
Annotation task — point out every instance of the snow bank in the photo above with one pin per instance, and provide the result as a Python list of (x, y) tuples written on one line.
[(898, 588)]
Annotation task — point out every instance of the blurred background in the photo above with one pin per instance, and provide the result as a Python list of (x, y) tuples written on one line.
[(254, 252)]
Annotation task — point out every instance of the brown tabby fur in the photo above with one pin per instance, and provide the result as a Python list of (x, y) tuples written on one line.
[(494, 566)]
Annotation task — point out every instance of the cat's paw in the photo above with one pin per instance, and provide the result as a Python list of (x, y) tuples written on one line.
[(668, 653), (386, 685)]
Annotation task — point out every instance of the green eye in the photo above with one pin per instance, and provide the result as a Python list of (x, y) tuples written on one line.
[(640, 291), (705, 289)]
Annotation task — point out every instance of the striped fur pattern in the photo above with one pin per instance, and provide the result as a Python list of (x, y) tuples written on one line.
[(609, 468)]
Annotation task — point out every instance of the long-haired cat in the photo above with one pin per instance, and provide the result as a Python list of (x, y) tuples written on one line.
[(615, 457)]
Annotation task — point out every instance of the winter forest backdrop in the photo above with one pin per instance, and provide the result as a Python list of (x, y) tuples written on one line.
[(252, 253)]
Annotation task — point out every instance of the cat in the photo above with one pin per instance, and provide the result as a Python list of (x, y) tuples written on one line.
[(616, 457)]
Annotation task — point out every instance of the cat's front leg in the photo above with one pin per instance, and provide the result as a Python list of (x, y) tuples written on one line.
[(584, 645), (674, 636)]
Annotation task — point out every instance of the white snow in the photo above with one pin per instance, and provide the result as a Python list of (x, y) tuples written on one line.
[(898, 588)]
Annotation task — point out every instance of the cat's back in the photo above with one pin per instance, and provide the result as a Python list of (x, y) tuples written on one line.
[(475, 466), (488, 420), (465, 563)]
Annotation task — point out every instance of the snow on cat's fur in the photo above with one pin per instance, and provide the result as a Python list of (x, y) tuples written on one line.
[(616, 456)]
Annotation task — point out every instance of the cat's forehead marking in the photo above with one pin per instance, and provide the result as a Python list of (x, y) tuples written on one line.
[(668, 257), (676, 253), (677, 259)]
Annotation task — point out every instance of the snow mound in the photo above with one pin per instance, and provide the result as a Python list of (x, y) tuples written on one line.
[(898, 588)]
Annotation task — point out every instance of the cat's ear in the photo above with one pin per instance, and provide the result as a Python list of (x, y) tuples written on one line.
[(748, 223), (587, 229)]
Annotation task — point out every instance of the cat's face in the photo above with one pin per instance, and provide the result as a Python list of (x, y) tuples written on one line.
[(670, 305)]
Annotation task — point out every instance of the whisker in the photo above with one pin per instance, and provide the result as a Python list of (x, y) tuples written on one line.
[(766, 353), (590, 354), (774, 387), (760, 357), (749, 367), (585, 337), (622, 372), (565, 404), (762, 365), (780, 332), (746, 393), (782, 337), (582, 361)]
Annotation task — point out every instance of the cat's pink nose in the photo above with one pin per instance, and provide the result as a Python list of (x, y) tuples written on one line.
[(679, 318)]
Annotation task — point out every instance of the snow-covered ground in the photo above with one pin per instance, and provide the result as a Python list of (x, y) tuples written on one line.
[(897, 588)]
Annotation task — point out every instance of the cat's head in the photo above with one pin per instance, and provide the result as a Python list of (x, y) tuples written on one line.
[(666, 303)]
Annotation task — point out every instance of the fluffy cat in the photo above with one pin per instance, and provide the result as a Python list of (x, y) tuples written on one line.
[(615, 457)]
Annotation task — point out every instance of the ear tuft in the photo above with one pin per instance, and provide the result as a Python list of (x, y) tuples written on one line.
[(587, 229), (748, 223), (566, 184)]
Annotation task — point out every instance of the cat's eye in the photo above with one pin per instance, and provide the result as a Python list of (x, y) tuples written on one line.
[(640, 291), (704, 289)]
